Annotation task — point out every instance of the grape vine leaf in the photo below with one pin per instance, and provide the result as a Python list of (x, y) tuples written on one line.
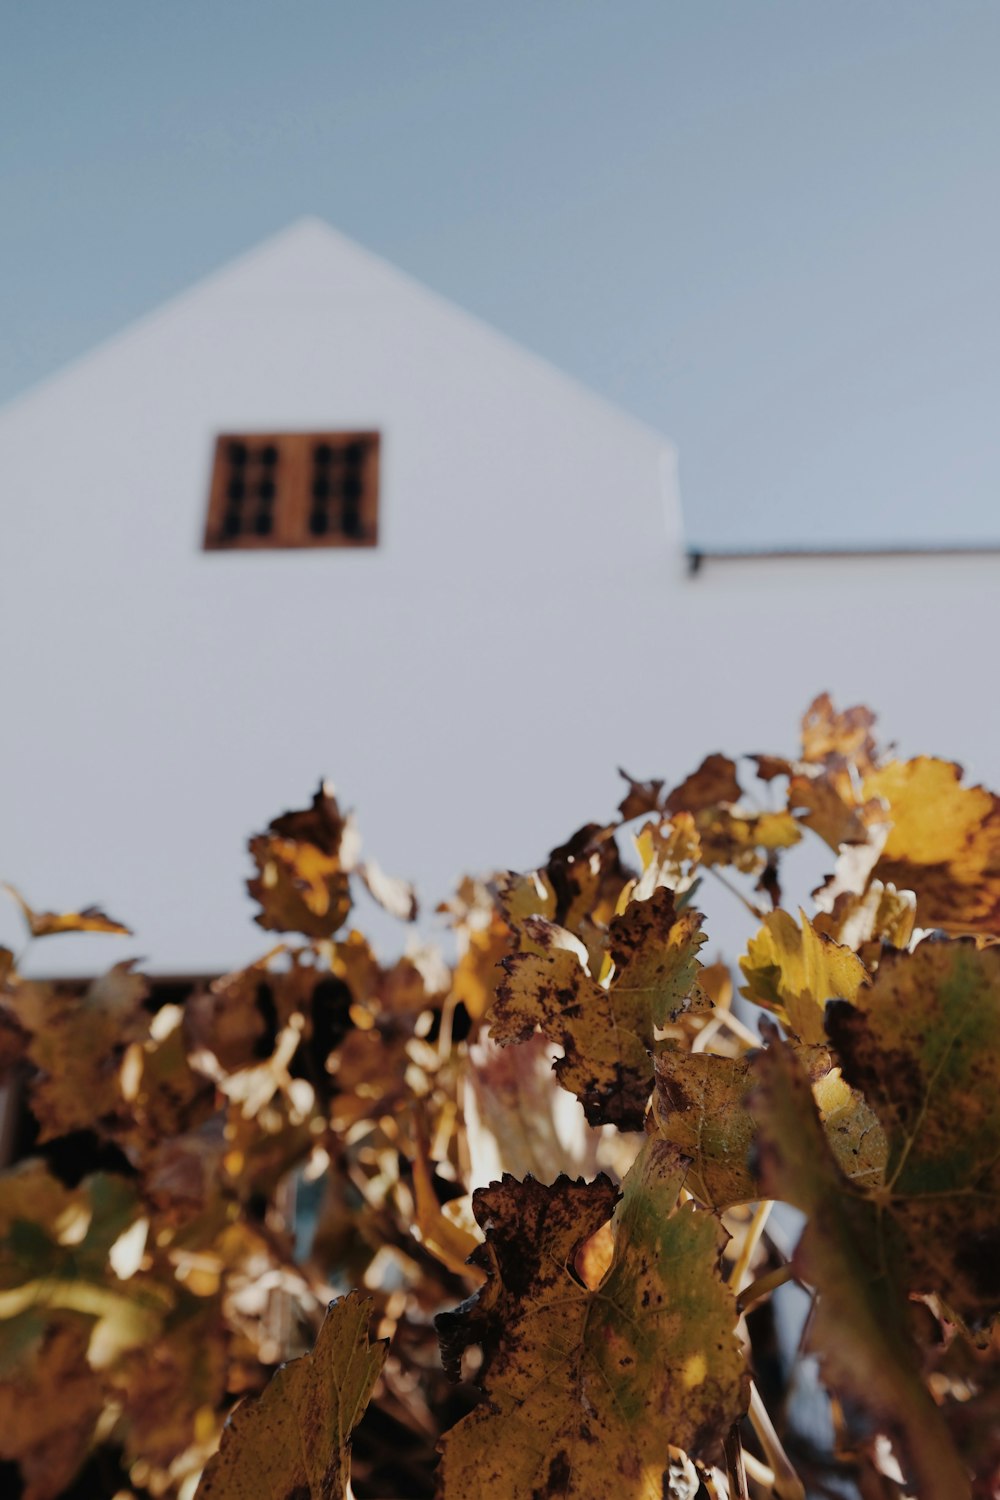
[(793, 970), (77, 1044), (294, 1441), (588, 1388), (702, 1106), (923, 1045), (860, 1328), (606, 1034), (304, 862), (943, 843)]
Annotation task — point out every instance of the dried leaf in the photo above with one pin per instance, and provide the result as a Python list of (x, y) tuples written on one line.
[(295, 1440), (713, 783), (702, 1107), (943, 843), (46, 923), (590, 1388), (77, 1045), (606, 1033), (641, 797)]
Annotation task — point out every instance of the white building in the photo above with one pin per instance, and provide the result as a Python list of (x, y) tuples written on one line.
[(526, 622)]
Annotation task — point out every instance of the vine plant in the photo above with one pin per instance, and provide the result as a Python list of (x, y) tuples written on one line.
[(504, 1223)]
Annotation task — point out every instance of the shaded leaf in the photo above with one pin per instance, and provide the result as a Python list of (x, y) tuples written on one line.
[(589, 1388), (77, 1044), (50, 1401), (702, 1106), (860, 1327), (923, 1045), (295, 1440)]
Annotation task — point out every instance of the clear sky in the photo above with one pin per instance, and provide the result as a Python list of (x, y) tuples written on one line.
[(770, 228)]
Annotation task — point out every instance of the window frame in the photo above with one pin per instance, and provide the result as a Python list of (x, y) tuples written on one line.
[(294, 478)]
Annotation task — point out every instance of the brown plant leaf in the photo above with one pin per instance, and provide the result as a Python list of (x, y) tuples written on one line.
[(295, 1439), (304, 861), (46, 923), (846, 735), (589, 1389), (641, 797), (702, 1107), (943, 843), (77, 1044), (606, 1033), (923, 1045), (50, 1399), (714, 782), (860, 1328)]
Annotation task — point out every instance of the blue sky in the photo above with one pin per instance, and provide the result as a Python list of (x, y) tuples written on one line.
[(770, 228)]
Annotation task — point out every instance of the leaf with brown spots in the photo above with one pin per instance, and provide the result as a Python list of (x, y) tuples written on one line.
[(46, 923), (923, 1045), (589, 1388), (295, 1440), (943, 843), (849, 1253), (793, 970), (606, 1033), (702, 1107)]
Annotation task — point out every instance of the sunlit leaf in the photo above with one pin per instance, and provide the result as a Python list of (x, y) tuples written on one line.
[(793, 970), (588, 1389), (46, 923)]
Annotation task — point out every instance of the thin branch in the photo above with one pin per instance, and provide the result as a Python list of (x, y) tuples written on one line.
[(787, 1484), (738, 1275), (763, 1286)]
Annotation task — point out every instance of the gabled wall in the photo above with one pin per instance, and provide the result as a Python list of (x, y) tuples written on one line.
[(525, 625)]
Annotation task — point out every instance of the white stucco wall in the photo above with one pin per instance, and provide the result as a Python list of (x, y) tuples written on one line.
[(525, 625)]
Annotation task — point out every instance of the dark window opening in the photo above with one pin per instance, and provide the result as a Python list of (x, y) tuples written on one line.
[(294, 489)]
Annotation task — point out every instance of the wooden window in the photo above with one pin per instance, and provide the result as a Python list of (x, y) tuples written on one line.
[(294, 489)]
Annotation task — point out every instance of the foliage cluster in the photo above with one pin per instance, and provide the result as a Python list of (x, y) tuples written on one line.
[(537, 1179)]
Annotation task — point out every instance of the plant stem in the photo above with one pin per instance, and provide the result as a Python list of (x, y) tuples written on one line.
[(763, 1286), (751, 1240), (787, 1484)]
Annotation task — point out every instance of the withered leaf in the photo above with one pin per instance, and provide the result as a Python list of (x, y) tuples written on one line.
[(46, 923), (702, 1107), (943, 843), (860, 1328), (641, 797), (77, 1044), (50, 1399), (793, 970), (714, 782), (295, 1440), (589, 1388), (923, 1045), (606, 1033), (846, 735), (304, 862)]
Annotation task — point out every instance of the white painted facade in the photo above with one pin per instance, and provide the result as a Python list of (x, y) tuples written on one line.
[(525, 624)]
